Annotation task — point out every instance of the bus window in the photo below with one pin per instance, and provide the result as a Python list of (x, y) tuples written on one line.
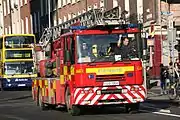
[(16, 68), (19, 41), (18, 54)]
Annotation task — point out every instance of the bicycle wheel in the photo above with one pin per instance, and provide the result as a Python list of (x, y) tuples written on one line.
[(172, 92)]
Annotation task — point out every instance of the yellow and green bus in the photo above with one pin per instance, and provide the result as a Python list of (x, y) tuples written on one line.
[(16, 60)]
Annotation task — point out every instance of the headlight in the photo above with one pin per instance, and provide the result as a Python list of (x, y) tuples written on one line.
[(8, 80)]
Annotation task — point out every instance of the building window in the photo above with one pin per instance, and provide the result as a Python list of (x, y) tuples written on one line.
[(64, 2), (22, 26), (69, 16), (84, 10), (101, 3), (14, 28), (46, 6), (68, 1), (31, 21), (89, 8), (27, 25), (9, 29), (42, 7), (25, 1), (8, 8), (60, 20), (74, 14), (65, 19), (17, 27), (95, 6), (38, 22), (35, 23), (73, 1), (55, 23), (4, 8), (115, 3), (54, 5), (21, 2), (6, 31), (59, 3)]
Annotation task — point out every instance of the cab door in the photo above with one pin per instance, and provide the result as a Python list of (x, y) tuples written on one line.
[(70, 57)]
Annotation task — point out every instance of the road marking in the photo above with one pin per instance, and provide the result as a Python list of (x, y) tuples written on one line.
[(164, 111), (157, 109), (161, 113), (167, 114)]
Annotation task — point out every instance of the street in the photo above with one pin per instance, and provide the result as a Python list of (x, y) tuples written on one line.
[(18, 105)]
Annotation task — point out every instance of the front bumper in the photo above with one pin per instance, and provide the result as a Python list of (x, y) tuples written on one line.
[(16, 82), (108, 95)]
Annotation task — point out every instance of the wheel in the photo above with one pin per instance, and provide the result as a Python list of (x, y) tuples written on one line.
[(33, 95), (172, 93), (37, 97), (1, 85), (40, 102), (132, 108), (73, 110)]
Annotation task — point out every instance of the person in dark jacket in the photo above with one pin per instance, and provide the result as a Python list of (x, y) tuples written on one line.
[(163, 77), (123, 48)]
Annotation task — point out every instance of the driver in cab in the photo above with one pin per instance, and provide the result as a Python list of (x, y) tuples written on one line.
[(123, 48)]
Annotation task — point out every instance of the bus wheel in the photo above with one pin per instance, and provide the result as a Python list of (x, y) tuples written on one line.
[(132, 108), (73, 110), (40, 102)]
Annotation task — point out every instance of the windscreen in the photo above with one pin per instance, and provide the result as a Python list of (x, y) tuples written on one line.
[(19, 41), (18, 68), (107, 47)]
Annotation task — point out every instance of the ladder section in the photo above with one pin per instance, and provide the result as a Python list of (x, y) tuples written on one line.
[(91, 19)]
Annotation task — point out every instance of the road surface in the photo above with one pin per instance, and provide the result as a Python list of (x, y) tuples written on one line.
[(18, 105)]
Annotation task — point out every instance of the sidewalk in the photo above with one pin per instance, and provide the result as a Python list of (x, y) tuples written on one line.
[(155, 94)]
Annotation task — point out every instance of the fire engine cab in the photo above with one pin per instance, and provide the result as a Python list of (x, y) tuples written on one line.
[(78, 65)]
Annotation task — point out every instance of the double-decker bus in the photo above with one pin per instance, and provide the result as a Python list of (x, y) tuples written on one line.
[(16, 57)]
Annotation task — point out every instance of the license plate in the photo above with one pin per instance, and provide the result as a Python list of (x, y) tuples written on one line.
[(20, 85), (111, 83)]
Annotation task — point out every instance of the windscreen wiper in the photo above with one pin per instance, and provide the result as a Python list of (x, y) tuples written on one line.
[(92, 61), (99, 58)]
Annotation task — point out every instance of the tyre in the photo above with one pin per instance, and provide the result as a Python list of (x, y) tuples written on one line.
[(72, 109), (172, 94), (132, 108), (40, 102), (33, 95)]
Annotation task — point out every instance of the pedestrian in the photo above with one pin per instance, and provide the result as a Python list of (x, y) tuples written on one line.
[(163, 74), (176, 69), (171, 74)]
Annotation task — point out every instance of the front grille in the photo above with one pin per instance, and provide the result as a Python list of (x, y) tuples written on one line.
[(111, 91), (110, 77)]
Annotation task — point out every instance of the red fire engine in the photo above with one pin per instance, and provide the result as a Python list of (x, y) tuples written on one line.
[(77, 67)]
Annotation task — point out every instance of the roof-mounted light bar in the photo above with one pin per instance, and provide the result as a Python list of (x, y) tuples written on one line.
[(78, 27)]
